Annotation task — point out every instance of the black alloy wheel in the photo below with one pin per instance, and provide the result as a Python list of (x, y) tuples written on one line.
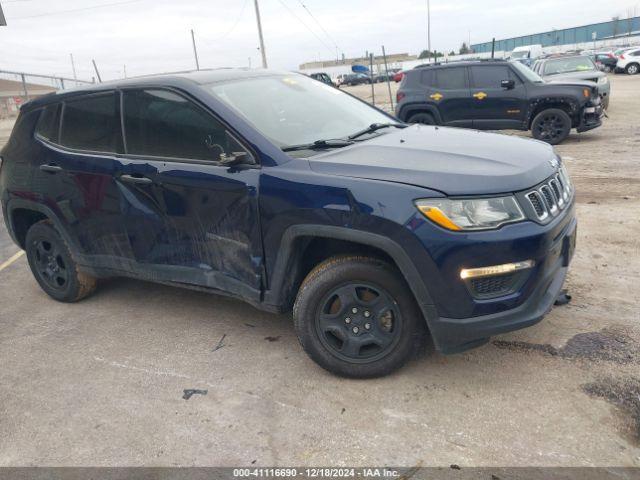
[(51, 267), (358, 322), (53, 264), (551, 126), (357, 317)]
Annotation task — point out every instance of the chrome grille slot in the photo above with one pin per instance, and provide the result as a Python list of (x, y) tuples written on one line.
[(556, 192), (538, 205), (552, 196), (549, 199)]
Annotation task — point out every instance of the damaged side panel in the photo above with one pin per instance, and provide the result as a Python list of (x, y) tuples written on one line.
[(194, 223)]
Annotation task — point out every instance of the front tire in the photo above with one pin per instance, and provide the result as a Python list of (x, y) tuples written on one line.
[(53, 266), (551, 126), (422, 118), (356, 317)]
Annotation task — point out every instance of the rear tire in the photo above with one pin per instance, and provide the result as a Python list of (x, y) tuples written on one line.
[(552, 126), (632, 69), (422, 118), (53, 266), (356, 317)]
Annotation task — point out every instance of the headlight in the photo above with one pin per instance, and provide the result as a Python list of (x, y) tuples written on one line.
[(471, 214), (603, 80)]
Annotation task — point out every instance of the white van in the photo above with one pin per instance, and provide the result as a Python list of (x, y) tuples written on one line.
[(526, 54)]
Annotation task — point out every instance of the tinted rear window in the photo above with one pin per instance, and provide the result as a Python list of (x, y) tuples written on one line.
[(450, 78), (92, 123), (49, 123)]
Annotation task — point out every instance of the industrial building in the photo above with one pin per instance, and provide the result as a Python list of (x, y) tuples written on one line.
[(614, 32)]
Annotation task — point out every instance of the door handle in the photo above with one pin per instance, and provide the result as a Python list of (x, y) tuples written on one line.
[(135, 179), (50, 168), (480, 95)]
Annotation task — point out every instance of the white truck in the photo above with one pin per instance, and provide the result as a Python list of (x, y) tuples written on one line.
[(526, 54)]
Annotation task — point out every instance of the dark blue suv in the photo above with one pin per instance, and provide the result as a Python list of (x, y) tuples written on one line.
[(279, 190)]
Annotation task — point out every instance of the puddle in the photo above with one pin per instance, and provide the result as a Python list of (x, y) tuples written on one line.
[(624, 393), (610, 344)]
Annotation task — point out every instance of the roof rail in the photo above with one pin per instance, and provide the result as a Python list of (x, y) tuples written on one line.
[(468, 60)]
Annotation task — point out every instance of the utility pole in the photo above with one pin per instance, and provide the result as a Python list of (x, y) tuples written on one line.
[(125, 71), (95, 67), (195, 51), (428, 31), (262, 50), (73, 67), (3, 21)]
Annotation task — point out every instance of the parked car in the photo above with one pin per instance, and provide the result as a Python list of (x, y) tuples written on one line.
[(383, 77), (629, 61), (322, 77), (607, 59), (621, 50), (283, 192), (497, 94), (563, 68), (398, 76), (526, 54), (353, 79)]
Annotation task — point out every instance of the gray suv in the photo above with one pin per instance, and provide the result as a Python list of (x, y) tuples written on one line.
[(573, 67)]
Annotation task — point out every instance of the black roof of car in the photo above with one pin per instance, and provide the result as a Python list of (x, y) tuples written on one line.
[(458, 63), (199, 77)]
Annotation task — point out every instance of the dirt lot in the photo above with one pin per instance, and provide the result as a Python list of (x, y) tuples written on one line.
[(101, 382)]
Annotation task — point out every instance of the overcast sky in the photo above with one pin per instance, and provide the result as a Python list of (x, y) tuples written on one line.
[(153, 35)]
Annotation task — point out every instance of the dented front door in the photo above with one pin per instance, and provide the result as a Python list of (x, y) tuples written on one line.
[(194, 224), (189, 220)]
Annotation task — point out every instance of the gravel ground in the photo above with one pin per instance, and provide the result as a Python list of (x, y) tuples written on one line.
[(101, 382)]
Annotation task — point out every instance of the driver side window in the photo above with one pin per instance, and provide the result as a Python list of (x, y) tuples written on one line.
[(161, 123)]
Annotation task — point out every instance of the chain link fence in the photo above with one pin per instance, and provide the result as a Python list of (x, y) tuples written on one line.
[(17, 88)]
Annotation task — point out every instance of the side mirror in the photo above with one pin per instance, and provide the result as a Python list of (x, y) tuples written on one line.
[(233, 158), (508, 84)]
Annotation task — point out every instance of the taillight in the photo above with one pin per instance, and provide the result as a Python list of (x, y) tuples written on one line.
[(611, 55), (399, 96), (622, 56)]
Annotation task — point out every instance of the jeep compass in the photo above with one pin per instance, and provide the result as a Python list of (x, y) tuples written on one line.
[(291, 195)]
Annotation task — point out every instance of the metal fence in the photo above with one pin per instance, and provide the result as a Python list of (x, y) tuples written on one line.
[(16, 88)]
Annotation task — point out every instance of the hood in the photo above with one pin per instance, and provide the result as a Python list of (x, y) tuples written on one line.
[(576, 78), (454, 161)]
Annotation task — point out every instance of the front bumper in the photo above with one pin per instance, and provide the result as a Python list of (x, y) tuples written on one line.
[(457, 320), (590, 118), (454, 335)]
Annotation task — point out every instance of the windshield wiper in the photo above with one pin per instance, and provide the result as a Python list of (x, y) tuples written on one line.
[(318, 145), (374, 127)]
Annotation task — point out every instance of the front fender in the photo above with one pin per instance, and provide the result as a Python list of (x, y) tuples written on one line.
[(283, 266)]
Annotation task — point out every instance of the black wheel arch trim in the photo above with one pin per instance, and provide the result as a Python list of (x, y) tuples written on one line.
[(276, 295), (19, 203), (411, 108)]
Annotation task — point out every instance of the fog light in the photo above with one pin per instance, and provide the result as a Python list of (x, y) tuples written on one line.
[(495, 269)]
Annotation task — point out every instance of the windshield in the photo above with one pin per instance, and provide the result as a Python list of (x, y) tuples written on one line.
[(294, 109), (527, 73), (520, 54), (568, 65)]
